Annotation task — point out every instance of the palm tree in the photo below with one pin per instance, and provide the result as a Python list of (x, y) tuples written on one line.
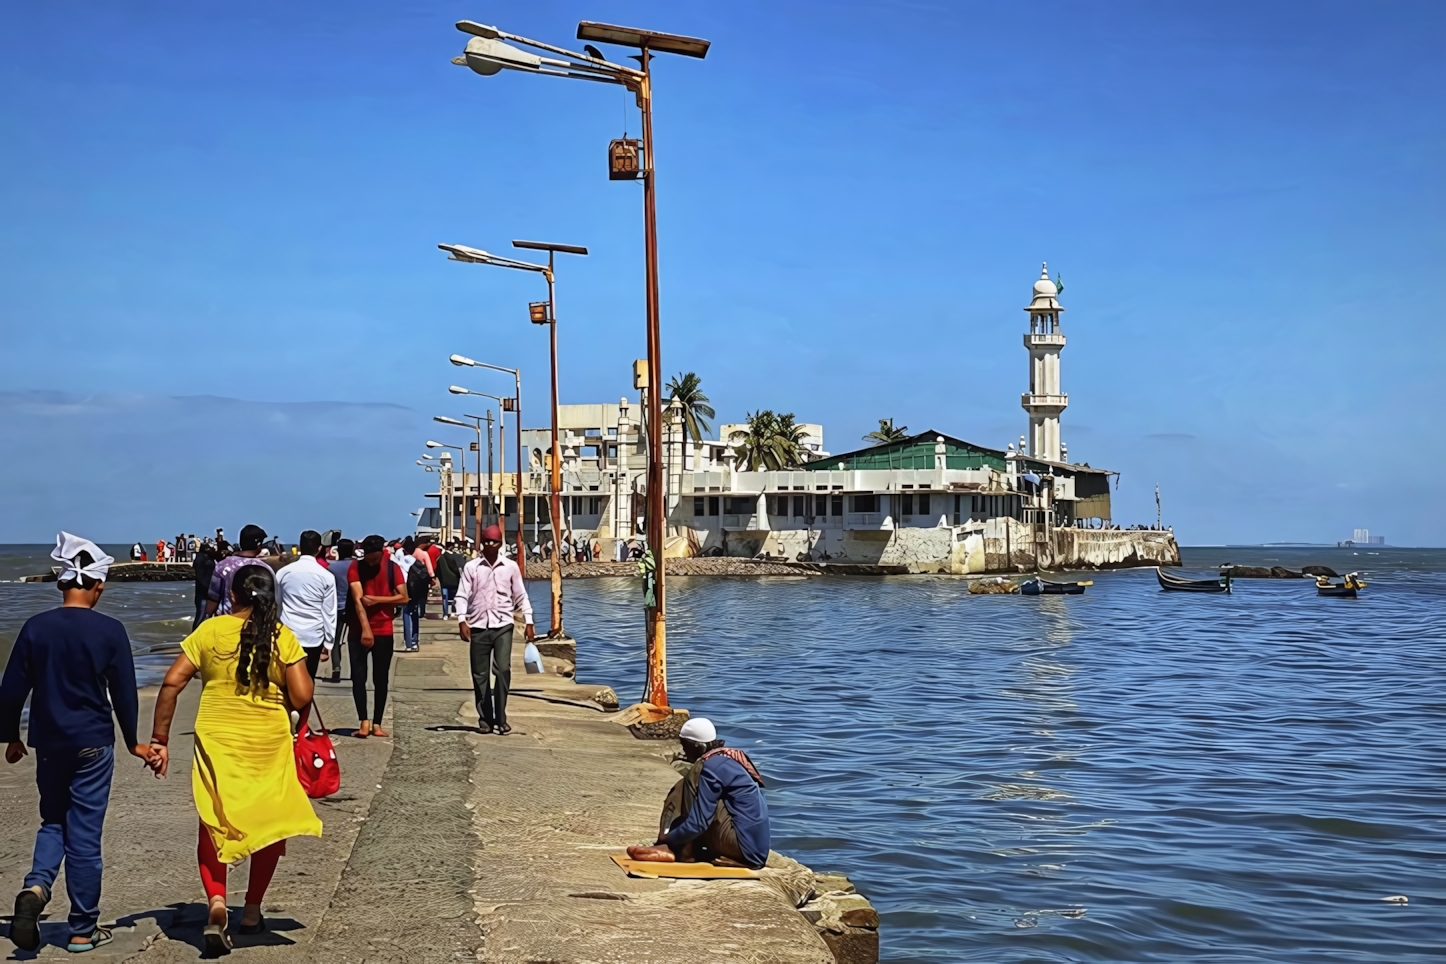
[(789, 442), (887, 433), (687, 391), (771, 442)]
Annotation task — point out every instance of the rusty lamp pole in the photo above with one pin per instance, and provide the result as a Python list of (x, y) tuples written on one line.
[(514, 405), (487, 54), (540, 313)]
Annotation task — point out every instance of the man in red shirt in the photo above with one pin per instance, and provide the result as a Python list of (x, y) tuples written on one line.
[(378, 587)]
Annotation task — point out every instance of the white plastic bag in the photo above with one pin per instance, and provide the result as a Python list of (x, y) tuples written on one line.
[(532, 659)]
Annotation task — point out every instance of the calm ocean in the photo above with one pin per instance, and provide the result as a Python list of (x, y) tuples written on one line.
[(1127, 775)]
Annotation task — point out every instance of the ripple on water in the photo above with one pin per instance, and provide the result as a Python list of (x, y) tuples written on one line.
[(1121, 776)]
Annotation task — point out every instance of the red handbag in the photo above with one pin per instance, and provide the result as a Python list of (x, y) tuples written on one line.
[(316, 764)]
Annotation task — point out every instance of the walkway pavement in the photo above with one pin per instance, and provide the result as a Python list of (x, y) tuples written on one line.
[(443, 844)]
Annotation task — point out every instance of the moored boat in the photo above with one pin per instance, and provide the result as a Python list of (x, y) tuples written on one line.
[(1177, 584), (1043, 587), (1345, 589)]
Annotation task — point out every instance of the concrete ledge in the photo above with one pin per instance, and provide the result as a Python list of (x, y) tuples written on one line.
[(570, 786)]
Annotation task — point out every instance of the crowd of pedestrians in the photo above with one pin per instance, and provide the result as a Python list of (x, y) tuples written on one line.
[(264, 629)]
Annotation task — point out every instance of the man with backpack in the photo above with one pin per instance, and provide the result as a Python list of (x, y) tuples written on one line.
[(345, 556), (420, 576)]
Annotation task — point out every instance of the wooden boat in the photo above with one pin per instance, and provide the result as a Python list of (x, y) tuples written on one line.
[(1177, 584), (1043, 587), (1345, 589)]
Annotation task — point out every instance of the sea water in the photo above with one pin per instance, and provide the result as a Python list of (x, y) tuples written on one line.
[(1127, 775)]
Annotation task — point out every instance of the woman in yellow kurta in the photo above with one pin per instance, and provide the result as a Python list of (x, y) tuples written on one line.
[(243, 776)]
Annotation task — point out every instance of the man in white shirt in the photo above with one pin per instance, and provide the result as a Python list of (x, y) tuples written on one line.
[(306, 596), (490, 592)]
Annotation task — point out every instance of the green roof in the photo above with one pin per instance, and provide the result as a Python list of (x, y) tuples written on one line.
[(915, 452)]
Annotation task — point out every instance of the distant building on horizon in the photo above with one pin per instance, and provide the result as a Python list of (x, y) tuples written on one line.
[(1363, 537)]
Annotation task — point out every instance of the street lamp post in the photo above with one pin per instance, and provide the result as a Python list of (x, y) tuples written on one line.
[(514, 404), (541, 314), (488, 419), (477, 510), (503, 406), (446, 500), (487, 54)]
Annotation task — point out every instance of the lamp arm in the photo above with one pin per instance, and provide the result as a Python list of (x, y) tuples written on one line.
[(584, 61)]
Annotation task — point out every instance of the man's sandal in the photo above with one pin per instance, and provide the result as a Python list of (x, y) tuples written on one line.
[(97, 937), (25, 925)]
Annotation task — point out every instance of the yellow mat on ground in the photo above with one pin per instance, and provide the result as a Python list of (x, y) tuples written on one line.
[(652, 868)]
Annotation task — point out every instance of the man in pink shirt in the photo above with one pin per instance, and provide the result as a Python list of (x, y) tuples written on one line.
[(490, 591)]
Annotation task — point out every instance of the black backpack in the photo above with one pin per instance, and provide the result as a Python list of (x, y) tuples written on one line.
[(419, 583)]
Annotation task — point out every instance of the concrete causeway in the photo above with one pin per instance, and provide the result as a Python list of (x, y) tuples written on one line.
[(448, 845)]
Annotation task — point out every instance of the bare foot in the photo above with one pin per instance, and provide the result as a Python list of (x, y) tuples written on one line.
[(363, 730), (218, 912), (378, 731), (661, 855)]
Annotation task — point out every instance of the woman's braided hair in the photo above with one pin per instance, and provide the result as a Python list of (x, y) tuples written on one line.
[(255, 589)]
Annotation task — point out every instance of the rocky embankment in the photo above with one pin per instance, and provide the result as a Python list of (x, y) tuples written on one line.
[(135, 572)]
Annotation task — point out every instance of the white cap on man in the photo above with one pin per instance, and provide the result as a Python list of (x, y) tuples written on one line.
[(698, 730), (67, 547)]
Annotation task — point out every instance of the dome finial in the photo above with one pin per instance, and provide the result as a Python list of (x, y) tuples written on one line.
[(1044, 270)]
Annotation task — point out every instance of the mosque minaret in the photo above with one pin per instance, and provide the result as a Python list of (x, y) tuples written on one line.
[(1044, 401)]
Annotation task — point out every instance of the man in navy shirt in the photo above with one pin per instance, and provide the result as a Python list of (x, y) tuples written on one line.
[(716, 812), (75, 666)]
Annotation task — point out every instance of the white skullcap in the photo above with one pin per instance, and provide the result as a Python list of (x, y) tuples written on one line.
[(699, 730), (67, 547)]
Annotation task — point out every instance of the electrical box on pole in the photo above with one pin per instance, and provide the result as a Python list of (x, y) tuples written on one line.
[(625, 161)]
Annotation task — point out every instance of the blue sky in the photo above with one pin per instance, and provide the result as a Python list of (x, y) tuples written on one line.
[(1245, 200)]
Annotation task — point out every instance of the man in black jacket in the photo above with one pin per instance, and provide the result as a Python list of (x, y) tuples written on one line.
[(204, 565), (449, 575)]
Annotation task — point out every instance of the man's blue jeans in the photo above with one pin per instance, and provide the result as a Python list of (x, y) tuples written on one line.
[(74, 792), (411, 623), (447, 595)]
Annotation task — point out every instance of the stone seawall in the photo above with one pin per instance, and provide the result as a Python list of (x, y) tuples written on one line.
[(999, 545), (1010, 546), (134, 572)]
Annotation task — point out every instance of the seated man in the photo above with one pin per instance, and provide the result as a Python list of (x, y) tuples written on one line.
[(716, 812)]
